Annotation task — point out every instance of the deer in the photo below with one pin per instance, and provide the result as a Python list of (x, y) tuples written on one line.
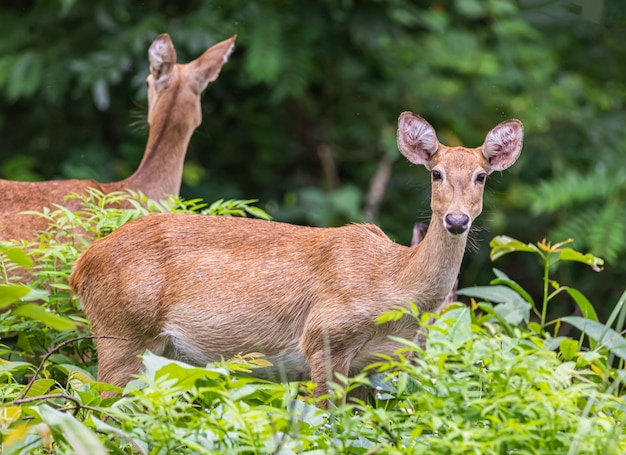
[(174, 112), (200, 288)]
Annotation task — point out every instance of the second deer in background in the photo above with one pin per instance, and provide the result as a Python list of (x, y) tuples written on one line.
[(174, 113), (200, 288)]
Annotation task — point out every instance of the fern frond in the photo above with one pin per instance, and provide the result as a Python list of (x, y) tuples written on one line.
[(264, 58), (574, 188), (598, 228), (607, 236), (298, 65), (575, 224)]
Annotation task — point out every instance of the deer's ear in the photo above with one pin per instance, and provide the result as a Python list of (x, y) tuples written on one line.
[(207, 67), (162, 56), (417, 140), (503, 144)]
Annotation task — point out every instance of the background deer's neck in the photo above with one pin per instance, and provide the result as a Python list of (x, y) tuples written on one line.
[(160, 171)]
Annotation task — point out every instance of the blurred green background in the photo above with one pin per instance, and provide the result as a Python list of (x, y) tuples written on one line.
[(303, 116)]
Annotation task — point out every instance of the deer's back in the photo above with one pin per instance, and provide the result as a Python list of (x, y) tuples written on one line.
[(18, 197), (167, 258)]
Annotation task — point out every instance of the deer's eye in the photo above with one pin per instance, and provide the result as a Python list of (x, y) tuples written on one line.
[(436, 175), (481, 178)]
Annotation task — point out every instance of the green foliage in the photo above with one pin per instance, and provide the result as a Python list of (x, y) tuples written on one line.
[(474, 389), (515, 303), (593, 207)]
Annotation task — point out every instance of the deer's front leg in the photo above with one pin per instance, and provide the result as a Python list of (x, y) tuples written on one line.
[(324, 369)]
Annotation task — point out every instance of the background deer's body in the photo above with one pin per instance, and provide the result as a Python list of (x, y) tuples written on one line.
[(198, 288), (174, 113)]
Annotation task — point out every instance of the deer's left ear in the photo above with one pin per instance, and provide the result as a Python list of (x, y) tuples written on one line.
[(503, 144), (162, 56)]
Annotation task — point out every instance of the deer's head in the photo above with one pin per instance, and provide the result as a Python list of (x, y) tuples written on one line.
[(458, 174), (185, 82)]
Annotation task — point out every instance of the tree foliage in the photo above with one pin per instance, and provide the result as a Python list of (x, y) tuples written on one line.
[(305, 111)]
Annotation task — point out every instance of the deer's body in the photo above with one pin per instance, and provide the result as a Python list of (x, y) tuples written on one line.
[(200, 288), (174, 113)]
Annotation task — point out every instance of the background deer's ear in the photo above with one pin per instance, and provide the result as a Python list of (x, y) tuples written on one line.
[(416, 138), (162, 56), (207, 67), (503, 144)]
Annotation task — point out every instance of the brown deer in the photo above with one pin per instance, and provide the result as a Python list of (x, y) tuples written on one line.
[(199, 288), (173, 114)]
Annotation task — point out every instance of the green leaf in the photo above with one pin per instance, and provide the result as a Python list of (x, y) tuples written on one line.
[(40, 387), (585, 305), (397, 313), (258, 213), (551, 343), (514, 312), (105, 387), (82, 439), (39, 313), (498, 294), (73, 370), (501, 245), (568, 254), (7, 366), (17, 255), (35, 295), (263, 61), (506, 281), (602, 334), (11, 293), (26, 76), (185, 375), (105, 428), (606, 234), (500, 274), (568, 348), (457, 324), (512, 308)]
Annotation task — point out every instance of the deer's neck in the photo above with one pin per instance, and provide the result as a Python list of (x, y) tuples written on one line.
[(161, 169), (433, 266)]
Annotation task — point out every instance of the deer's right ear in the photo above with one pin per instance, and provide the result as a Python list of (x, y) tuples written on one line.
[(416, 138), (162, 57)]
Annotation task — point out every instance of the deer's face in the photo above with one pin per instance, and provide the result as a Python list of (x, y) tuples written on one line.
[(458, 174), (458, 177)]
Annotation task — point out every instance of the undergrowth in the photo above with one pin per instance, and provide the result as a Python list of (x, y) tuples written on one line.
[(492, 376)]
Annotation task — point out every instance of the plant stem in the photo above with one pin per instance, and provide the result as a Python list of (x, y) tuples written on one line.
[(546, 285), (5, 276)]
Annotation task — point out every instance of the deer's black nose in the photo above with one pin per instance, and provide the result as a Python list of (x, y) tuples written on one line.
[(456, 224)]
